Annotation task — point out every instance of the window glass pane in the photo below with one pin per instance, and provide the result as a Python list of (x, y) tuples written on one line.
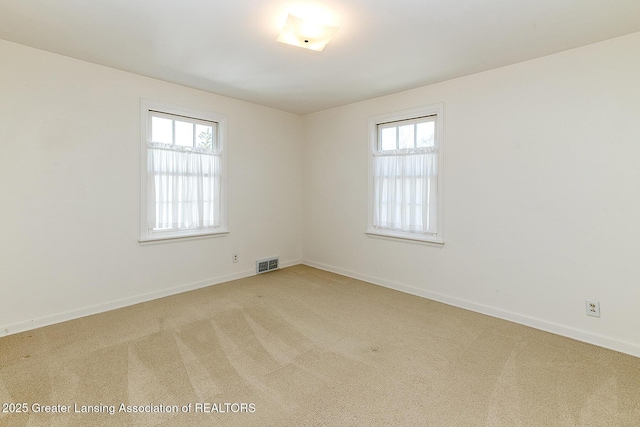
[(388, 139), (204, 136), (184, 134), (406, 136), (161, 130), (426, 134)]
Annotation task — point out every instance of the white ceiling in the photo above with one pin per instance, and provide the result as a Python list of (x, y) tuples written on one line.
[(229, 46)]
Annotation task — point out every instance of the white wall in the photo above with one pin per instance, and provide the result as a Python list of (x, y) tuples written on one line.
[(541, 205), (542, 194), (70, 191)]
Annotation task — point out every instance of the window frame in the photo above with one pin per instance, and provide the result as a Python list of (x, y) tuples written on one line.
[(148, 108), (436, 110)]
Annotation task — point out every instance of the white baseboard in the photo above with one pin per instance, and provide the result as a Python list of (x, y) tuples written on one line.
[(125, 302), (555, 328)]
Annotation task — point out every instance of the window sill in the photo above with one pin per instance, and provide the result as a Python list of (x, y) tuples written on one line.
[(407, 237), (154, 240)]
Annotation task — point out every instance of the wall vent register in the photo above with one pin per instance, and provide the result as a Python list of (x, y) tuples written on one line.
[(267, 264)]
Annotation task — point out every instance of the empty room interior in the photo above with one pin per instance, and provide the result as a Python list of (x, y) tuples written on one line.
[(320, 213)]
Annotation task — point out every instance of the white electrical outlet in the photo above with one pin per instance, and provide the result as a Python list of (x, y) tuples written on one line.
[(593, 308), (235, 258)]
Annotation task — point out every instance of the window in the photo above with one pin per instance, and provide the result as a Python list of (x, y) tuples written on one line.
[(183, 172), (405, 174)]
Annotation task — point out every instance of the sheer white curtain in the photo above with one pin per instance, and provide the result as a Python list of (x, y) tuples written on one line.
[(183, 187), (405, 185)]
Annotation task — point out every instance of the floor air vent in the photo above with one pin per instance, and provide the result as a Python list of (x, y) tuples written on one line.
[(267, 264)]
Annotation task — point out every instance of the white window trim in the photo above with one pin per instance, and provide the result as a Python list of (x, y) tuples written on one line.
[(374, 121), (145, 126)]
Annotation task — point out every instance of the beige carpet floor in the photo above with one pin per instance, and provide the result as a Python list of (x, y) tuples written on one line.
[(301, 347)]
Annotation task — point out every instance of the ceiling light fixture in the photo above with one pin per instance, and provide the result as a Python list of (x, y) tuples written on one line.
[(305, 33)]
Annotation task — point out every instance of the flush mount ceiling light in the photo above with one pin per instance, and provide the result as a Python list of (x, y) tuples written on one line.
[(306, 34)]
